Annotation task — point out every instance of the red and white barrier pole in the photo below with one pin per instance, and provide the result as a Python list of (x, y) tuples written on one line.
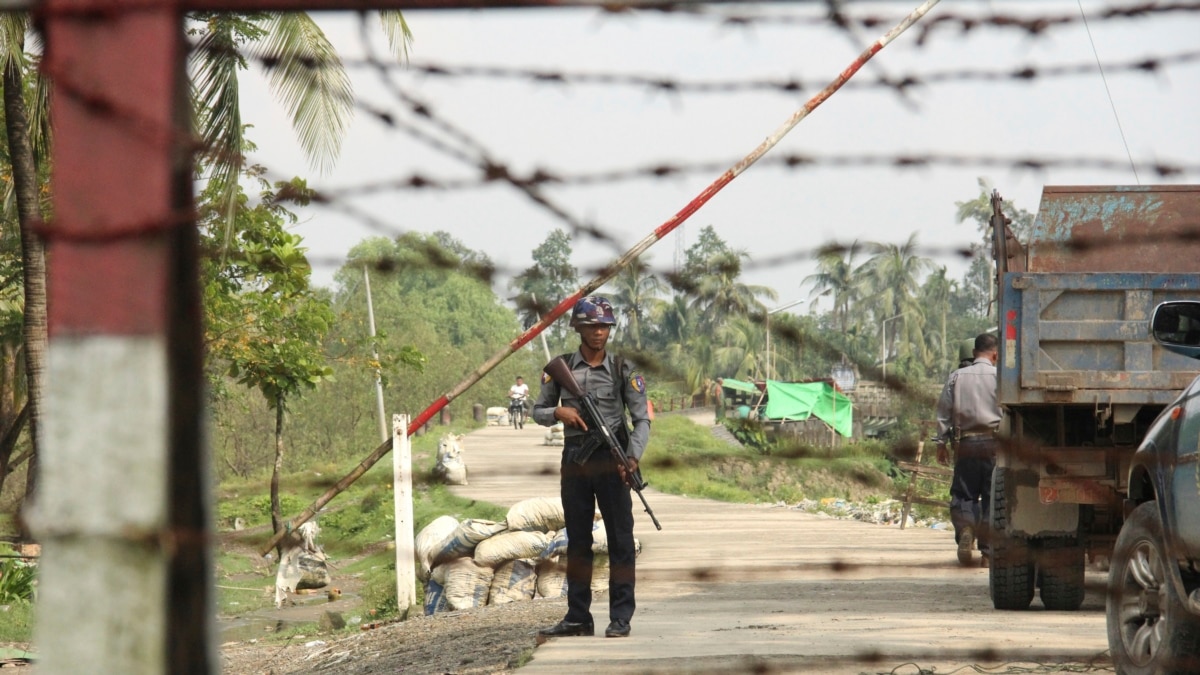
[(622, 262)]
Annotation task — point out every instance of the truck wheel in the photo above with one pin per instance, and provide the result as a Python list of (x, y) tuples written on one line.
[(1061, 566), (1010, 575), (1149, 628)]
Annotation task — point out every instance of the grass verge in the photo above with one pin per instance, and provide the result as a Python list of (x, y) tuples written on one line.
[(685, 458)]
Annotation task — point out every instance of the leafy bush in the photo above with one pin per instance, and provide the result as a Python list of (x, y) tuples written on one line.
[(18, 581), (379, 592), (749, 433), (256, 509)]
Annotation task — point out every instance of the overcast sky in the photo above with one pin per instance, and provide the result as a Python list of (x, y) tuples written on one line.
[(779, 216)]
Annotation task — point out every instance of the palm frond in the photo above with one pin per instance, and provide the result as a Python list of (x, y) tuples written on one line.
[(39, 114), (308, 77), (398, 34), (12, 33), (215, 65)]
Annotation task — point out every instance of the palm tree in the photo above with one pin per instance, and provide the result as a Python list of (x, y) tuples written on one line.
[(744, 339), (719, 294), (686, 352), (674, 321), (836, 277), (936, 297), (981, 276), (894, 273), (693, 360), (635, 289), (304, 71), (27, 130)]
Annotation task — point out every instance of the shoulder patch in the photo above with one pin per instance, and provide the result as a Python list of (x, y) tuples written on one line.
[(545, 378), (638, 384)]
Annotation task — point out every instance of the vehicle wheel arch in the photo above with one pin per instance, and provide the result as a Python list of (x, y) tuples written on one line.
[(1141, 486)]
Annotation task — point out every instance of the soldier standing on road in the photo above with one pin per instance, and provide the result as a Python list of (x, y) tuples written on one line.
[(967, 416), (590, 477)]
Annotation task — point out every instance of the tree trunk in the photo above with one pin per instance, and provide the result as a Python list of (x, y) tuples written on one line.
[(8, 403), (8, 385), (945, 362), (9, 442), (33, 256), (276, 510)]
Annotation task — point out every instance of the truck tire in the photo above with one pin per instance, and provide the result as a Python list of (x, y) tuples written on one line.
[(1061, 566), (1149, 628), (1010, 575)]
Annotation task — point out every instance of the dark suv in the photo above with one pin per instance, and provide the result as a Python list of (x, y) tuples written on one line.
[(1154, 579)]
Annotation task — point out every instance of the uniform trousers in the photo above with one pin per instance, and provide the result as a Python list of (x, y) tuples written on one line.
[(971, 487), (583, 488)]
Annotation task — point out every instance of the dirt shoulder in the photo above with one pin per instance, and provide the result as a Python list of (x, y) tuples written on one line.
[(485, 640)]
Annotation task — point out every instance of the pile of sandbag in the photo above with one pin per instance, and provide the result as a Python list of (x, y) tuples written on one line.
[(478, 562), (497, 416), (554, 435), (451, 465)]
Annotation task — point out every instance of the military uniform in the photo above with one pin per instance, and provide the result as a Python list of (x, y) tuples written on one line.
[(589, 479), (968, 406)]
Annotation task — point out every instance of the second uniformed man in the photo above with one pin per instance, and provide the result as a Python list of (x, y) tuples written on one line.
[(967, 416)]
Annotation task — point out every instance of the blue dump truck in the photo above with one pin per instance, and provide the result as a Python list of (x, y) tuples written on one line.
[(1080, 377)]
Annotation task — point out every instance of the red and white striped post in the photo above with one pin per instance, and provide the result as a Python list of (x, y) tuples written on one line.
[(122, 507)]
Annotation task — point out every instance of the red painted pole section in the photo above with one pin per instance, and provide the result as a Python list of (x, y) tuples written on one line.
[(628, 257), (111, 76)]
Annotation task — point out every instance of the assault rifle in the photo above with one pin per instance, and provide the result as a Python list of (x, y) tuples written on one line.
[(560, 372)]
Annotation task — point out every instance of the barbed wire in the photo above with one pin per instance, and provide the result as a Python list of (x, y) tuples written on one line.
[(493, 173), (423, 123), (487, 274), (670, 85), (959, 23)]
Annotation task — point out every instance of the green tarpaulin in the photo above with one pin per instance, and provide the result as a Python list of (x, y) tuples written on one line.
[(799, 401), (738, 385)]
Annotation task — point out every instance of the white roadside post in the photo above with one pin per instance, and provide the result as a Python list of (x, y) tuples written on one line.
[(406, 579)]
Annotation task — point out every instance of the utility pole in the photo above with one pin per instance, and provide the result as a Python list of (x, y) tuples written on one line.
[(383, 429), (770, 364), (545, 348)]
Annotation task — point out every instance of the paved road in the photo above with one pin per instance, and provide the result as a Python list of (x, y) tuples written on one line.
[(738, 587)]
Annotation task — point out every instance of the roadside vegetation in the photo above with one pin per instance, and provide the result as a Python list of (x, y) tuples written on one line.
[(357, 527), (683, 458)]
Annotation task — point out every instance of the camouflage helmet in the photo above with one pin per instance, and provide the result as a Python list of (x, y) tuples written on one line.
[(591, 311)]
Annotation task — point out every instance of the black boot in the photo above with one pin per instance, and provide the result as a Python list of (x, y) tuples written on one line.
[(618, 628), (566, 628)]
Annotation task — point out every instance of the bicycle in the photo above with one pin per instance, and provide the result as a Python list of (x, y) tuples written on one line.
[(516, 412)]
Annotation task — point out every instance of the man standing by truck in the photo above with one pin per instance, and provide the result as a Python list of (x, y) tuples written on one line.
[(967, 416)]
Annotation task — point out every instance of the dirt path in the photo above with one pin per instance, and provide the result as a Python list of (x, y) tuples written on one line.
[(733, 586)]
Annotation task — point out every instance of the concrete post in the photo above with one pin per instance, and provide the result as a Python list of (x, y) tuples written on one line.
[(406, 574)]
